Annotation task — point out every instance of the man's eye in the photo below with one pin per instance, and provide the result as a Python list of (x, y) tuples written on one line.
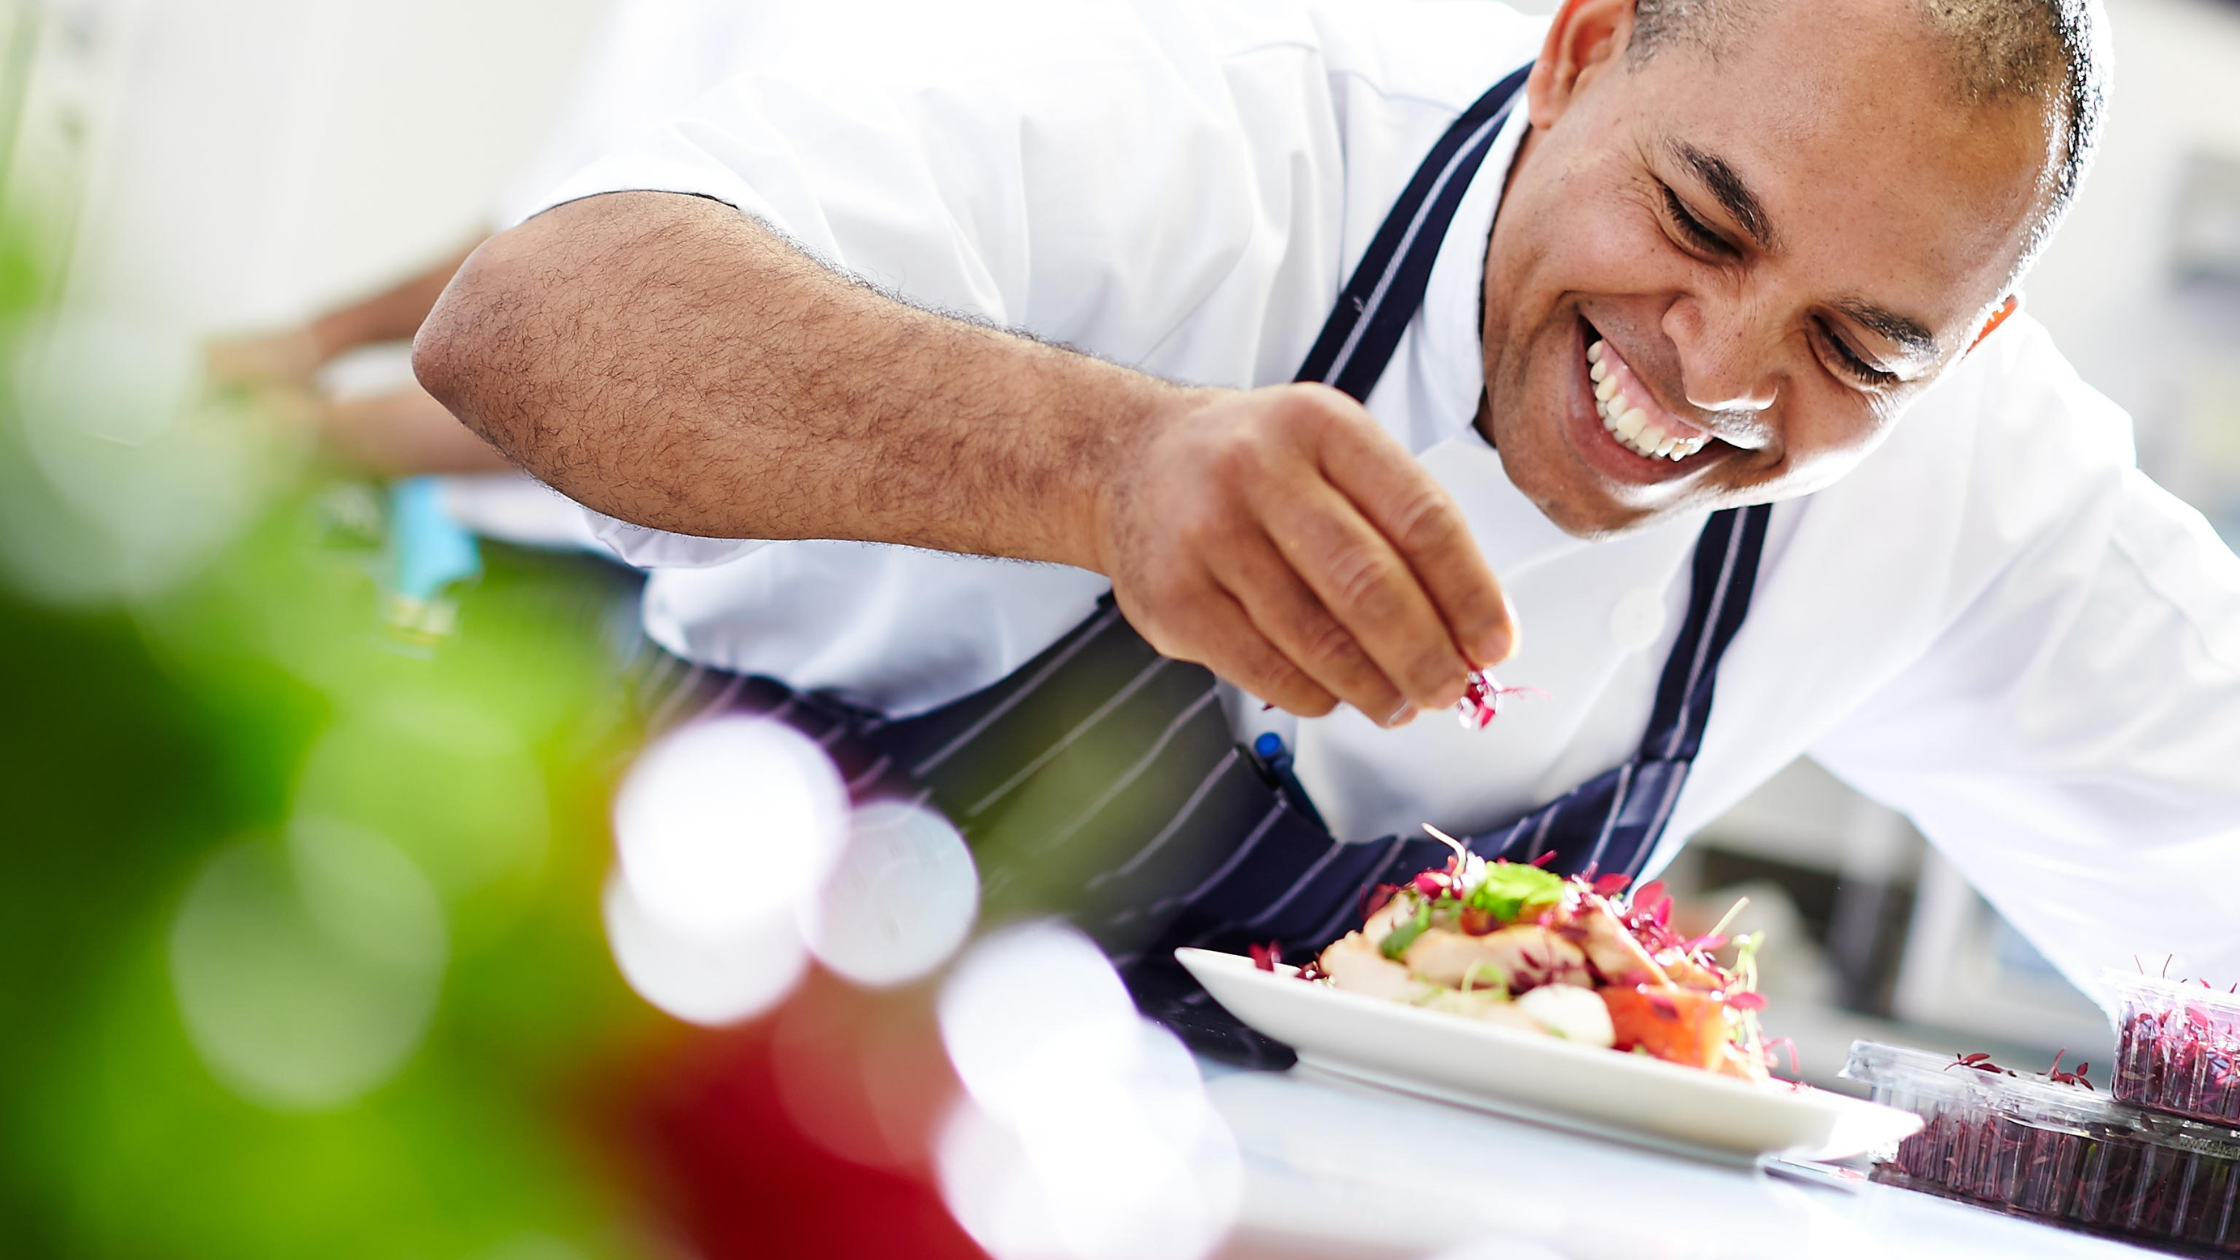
[(1848, 360), (1699, 233)]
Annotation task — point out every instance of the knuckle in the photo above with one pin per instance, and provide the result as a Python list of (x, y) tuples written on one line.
[(1278, 680), (1363, 586), (1425, 521), (1304, 408), (1235, 458), (1326, 643)]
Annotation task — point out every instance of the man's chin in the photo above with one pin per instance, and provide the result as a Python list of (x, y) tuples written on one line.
[(1573, 494)]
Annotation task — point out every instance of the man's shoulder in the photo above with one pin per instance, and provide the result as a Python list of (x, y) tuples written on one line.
[(2009, 447)]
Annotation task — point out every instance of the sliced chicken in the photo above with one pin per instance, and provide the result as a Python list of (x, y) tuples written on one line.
[(1610, 947), (1521, 956), (1493, 1008), (1355, 965)]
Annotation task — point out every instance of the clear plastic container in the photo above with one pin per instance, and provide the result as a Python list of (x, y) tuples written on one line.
[(2178, 1047), (2060, 1153)]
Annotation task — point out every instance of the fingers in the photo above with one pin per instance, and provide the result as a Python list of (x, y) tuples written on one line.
[(1223, 637), (1425, 528), (1369, 590), (1289, 615), (1281, 538)]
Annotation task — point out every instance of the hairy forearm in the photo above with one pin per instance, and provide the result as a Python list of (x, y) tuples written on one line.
[(670, 362)]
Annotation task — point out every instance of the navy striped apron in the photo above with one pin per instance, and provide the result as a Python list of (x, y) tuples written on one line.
[(1102, 781)]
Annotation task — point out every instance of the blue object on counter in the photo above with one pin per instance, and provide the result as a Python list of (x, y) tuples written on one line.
[(430, 550), (1268, 746)]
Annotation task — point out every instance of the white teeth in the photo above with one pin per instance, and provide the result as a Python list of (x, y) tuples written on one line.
[(1631, 424)]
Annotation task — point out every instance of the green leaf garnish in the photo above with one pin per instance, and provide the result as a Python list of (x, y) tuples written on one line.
[(1405, 934), (1511, 888)]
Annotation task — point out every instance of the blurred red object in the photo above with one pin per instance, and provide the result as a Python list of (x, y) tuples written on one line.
[(806, 1132)]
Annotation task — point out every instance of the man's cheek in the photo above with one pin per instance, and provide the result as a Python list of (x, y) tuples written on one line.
[(1815, 456)]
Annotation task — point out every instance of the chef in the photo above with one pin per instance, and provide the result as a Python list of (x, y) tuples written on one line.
[(1127, 425)]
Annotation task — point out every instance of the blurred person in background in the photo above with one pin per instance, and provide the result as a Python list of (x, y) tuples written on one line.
[(648, 60), (1625, 307)]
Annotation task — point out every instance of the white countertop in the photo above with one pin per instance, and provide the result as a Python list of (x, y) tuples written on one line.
[(1338, 1169)]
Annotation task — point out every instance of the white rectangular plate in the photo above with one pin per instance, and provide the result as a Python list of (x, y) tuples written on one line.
[(1544, 1079)]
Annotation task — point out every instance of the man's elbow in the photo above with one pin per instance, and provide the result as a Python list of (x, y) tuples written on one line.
[(455, 355)]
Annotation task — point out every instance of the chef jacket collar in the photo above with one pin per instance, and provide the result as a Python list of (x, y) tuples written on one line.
[(1449, 359), (1451, 362)]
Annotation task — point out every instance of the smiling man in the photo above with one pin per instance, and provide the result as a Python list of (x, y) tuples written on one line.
[(1373, 303)]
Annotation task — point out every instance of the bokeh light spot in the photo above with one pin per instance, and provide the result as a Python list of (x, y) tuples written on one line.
[(899, 901), (724, 824), (306, 973), (1087, 1132), (711, 980), (454, 785)]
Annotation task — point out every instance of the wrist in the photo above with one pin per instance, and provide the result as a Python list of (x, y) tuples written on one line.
[(1115, 458)]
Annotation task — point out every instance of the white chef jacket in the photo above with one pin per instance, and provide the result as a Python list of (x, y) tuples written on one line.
[(1995, 624)]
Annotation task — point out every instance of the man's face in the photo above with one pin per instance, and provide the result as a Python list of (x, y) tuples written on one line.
[(1779, 247)]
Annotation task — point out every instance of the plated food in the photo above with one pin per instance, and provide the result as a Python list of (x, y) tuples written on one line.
[(1580, 959), (1528, 1075)]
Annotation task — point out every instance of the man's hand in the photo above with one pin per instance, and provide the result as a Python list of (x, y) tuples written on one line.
[(1282, 538)]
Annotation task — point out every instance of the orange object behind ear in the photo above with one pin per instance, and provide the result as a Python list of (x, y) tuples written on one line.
[(1998, 317)]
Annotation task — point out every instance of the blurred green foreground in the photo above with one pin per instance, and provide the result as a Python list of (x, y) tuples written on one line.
[(299, 943)]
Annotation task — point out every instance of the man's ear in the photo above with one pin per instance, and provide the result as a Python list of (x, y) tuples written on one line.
[(1998, 317), (1586, 38)]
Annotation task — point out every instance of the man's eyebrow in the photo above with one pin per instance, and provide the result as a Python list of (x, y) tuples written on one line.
[(1727, 185), (1909, 334)]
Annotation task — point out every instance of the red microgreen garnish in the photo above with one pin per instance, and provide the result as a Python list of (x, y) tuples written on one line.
[(1980, 1061), (2076, 1077), (1378, 898), (1482, 698), (2180, 1054), (1265, 957)]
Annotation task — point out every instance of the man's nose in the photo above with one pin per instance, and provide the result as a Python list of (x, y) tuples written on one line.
[(1724, 362)]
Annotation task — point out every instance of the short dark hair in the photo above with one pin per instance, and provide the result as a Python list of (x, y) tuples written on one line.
[(2052, 52)]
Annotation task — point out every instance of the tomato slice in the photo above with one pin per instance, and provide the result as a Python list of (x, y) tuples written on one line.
[(1678, 1025)]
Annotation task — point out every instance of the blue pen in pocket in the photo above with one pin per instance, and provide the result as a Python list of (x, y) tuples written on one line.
[(1272, 754)]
